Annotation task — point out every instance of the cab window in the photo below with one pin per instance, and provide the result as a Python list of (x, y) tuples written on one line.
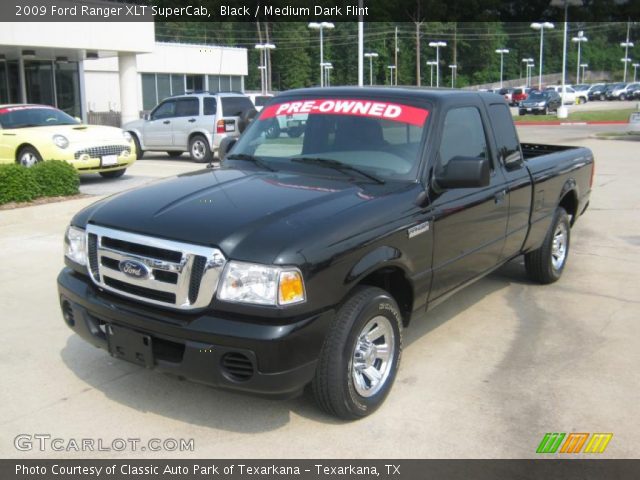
[(462, 135)]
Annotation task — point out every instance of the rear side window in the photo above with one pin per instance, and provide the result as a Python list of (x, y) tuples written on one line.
[(187, 107), (463, 135), (210, 106), (261, 101), (506, 136), (234, 106)]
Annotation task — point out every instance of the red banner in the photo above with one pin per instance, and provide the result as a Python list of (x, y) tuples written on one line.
[(355, 107)]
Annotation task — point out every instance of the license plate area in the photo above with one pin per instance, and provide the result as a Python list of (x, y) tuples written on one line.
[(130, 345), (109, 160)]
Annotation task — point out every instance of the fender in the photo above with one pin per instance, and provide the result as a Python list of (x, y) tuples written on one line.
[(138, 134), (568, 186), (381, 256)]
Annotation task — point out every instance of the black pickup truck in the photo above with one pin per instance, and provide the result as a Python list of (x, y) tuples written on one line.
[(299, 261)]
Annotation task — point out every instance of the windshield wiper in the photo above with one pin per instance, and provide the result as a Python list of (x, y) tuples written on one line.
[(250, 158), (337, 165)]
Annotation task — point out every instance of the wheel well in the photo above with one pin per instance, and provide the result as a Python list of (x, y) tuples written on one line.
[(196, 134), (20, 147), (394, 281), (570, 203)]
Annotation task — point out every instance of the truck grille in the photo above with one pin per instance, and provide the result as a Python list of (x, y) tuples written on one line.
[(97, 152), (175, 274)]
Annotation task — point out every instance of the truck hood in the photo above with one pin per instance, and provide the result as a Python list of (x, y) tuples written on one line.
[(250, 215)]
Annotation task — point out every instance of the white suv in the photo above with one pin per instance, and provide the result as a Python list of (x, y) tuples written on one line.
[(196, 123)]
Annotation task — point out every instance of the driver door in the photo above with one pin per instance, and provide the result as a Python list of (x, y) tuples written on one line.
[(157, 130)]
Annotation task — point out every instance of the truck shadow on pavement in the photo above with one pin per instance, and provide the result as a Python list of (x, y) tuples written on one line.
[(148, 391)]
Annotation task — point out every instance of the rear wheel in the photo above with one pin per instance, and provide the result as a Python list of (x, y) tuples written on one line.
[(174, 154), (295, 132), (546, 264), (113, 173), (273, 131), (28, 156), (199, 149), (602, 97), (623, 97), (360, 356)]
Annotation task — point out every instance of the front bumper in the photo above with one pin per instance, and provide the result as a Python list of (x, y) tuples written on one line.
[(94, 163), (531, 109), (278, 360)]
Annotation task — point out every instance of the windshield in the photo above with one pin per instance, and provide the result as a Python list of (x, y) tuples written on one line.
[(380, 138), (538, 96), (33, 116)]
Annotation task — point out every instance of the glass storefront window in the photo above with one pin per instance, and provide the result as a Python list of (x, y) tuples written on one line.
[(177, 84), (149, 97), (163, 81), (38, 76), (68, 88)]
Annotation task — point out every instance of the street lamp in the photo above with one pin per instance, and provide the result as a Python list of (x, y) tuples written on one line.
[(432, 63), (635, 68), (530, 67), (371, 56), (391, 70), (584, 67), (437, 46), (579, 39), (626, 58), (321, 26), (265, 73), (501, 51), (527, 61), (541, 27), (453, 74)]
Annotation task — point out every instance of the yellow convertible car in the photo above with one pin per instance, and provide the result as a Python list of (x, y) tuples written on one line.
[(33, 133)]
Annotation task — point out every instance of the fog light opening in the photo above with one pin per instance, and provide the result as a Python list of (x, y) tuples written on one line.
[(67, 313)]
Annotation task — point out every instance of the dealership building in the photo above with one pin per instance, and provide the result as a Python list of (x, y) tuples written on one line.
[(85, 67)]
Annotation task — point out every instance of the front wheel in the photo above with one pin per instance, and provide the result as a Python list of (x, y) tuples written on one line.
[(113, 173), (360, 356), (623, 97), (136, 143), (545, 265), (199, 149), (29, 156)]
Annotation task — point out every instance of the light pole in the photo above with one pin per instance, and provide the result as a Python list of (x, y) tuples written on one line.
[(262, 68), (541, 27), (584, 67), (579, 39), (327, 67), (321, 26), (501, 51), (371, 56), (265, 72), (437, 46), (431, 63), (635, 68), (530, 67), (391, 76), (453, 74), (626, 58), (527, 61)]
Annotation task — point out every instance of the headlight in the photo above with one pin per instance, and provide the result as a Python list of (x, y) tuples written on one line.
[(61, 141), (126, 135), (75, 246), (261, 284), (541, 104)]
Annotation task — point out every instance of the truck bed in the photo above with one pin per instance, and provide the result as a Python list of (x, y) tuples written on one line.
[(532, 150)]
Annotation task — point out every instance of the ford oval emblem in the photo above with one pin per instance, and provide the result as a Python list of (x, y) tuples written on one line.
[(134, 269)]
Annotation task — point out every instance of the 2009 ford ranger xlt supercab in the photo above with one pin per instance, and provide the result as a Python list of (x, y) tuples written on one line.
[(301, 259)]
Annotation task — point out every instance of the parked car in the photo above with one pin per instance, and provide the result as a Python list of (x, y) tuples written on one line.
[(259, 100), (519, 94), (608, 91), (301, 261), (540, 102), (571, 96), (507, 93), (619, 91), (33, 133), (195, 123), (634, 91), (597, 91)]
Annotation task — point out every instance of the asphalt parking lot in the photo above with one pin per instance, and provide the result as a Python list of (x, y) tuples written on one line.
[(484, 375)]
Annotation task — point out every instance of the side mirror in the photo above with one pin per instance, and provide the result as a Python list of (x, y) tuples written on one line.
[(226, 145), (146, 116), (77, 119), (464, 172)]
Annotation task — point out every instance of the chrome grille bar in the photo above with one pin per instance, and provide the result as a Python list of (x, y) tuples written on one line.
[(149, 289)]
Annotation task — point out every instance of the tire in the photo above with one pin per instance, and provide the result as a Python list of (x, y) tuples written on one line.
[(274, 130), (602, 97), (522, 112), (623, 97), (28, 156), (341, 387), (199, 149), (136, 142), (295, 132), (546, 264), (546, 111), (174, 154), (113, 173)]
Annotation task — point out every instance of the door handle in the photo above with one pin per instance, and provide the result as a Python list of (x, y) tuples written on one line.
[(166, 122), (191, 120), (499, 197)]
